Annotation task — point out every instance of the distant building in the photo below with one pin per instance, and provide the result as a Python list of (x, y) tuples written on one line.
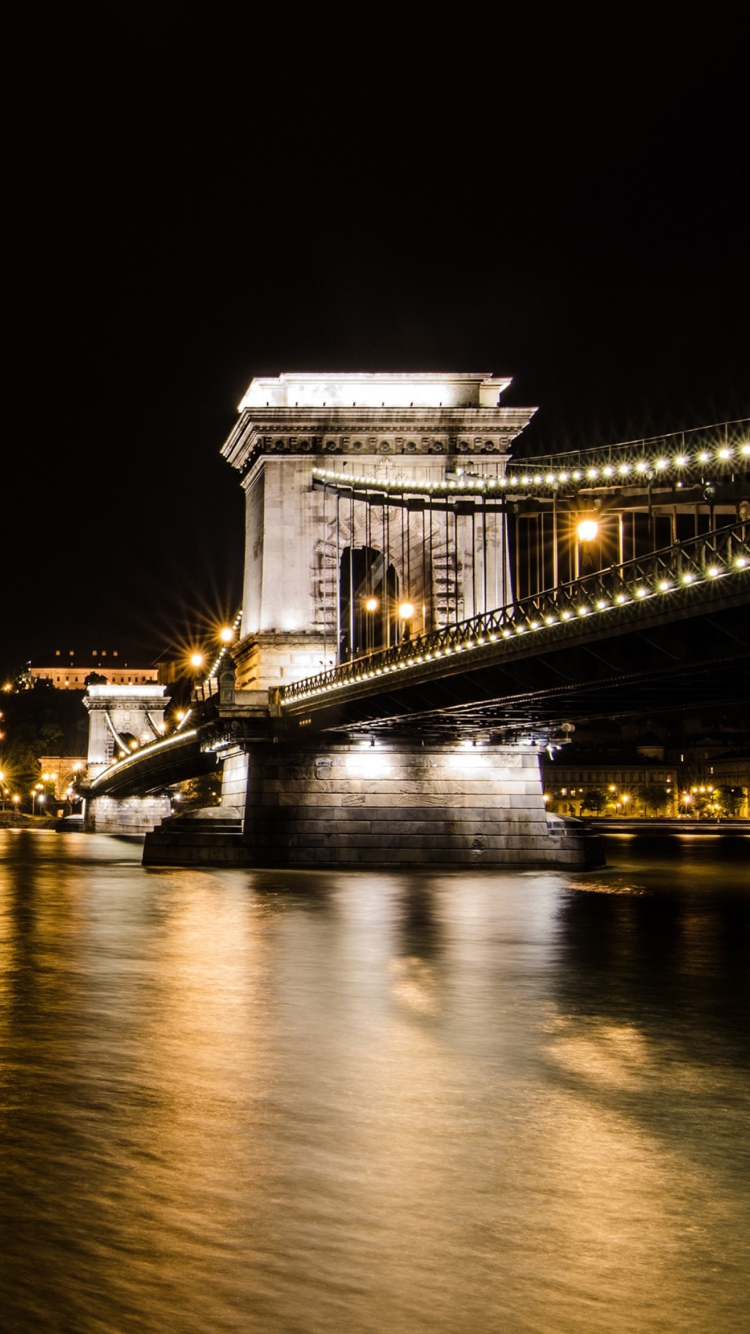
[(69, 670), (650, 746), (732, 771), (622, 786)]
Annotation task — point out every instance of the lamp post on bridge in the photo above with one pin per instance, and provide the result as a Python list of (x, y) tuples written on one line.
[(371, 606), (586, 532), (405, 614)]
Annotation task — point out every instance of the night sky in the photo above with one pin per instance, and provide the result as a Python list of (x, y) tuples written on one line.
[(195, 199)]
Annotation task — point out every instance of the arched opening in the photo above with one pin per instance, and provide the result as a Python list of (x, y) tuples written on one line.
[(368, 602)]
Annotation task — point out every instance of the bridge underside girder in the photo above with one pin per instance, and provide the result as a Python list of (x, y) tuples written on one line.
[(688, 649), (152, 771), (652, 667)]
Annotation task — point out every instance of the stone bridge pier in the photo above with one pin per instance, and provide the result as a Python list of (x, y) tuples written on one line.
[(393, 803), (329, 576), (402, 803)]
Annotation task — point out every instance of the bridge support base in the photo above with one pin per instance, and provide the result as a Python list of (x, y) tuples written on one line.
[(405, 804), (397, 804), (135, 816)]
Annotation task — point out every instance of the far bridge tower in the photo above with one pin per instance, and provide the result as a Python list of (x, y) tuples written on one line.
[(122, 718)]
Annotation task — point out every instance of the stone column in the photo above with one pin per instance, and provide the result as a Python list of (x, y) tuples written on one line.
[(234, 780)]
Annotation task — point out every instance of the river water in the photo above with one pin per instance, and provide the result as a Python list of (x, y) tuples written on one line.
[(290, 1101)]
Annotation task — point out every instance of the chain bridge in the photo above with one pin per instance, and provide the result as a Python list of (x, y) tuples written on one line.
[(425, 609)]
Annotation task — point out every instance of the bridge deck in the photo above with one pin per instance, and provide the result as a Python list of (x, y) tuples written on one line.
[(668, 630), (639, 603)]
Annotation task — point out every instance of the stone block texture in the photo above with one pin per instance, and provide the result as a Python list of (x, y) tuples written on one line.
[(234, 780), (402, 804), (134, 816)]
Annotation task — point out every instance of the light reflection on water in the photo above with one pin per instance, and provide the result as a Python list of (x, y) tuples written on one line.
[(313, 1102)]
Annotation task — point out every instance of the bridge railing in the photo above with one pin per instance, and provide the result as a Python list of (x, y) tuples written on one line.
[(706, 453), (714, 555), (722, 448)]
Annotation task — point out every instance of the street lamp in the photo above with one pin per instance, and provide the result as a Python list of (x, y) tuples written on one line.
[(587, 530), (226, 635), (406, 611), (371, 605)]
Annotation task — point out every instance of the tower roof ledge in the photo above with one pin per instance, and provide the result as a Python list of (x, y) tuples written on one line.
[(331, 389)]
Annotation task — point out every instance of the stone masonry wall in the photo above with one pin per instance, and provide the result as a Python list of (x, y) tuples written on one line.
[(134, 816), (234, 781), (360, 805)]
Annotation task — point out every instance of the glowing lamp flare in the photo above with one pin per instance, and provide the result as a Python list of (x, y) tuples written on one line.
[(196, 660), (587, 530), (406, 611), (371, 604), (226, 635)]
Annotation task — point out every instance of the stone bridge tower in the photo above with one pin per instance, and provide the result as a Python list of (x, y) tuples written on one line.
[(311, 558), (121, 719), (347, 549)]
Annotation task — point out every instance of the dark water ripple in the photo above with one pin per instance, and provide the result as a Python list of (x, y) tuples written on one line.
[(235, 1101)]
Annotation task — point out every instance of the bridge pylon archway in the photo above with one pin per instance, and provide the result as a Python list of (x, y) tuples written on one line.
[(299, 438)]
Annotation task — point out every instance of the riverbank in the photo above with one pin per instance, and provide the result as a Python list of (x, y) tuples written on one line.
[(657, 827), (17, 820)]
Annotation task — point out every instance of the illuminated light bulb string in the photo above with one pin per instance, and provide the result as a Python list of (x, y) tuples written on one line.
[(138, 754), (227, 636), (659, 459), (723, 553)]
